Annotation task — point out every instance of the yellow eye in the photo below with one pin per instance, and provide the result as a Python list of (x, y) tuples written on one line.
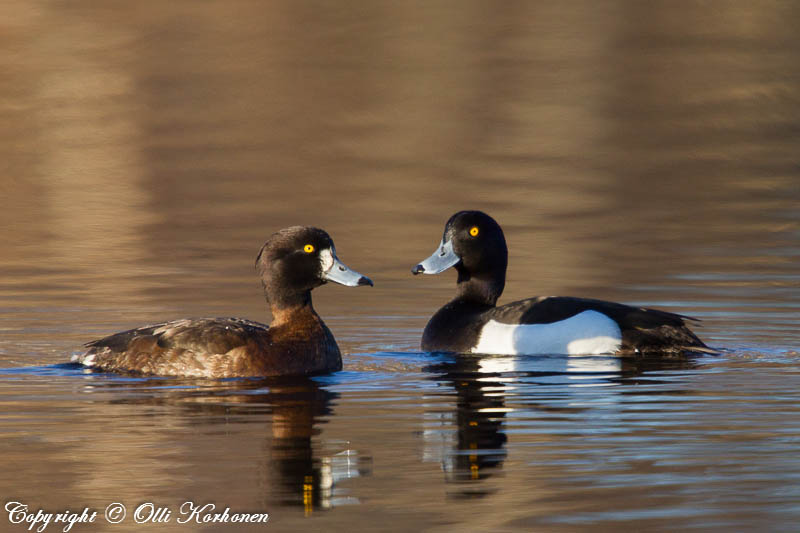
[(308, 248), (474, 231)]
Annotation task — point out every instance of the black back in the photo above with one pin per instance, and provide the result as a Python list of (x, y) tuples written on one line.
[(479, 241)]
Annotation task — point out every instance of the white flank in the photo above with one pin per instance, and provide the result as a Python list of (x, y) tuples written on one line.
[(88, 360), (587, 333), (326, 259)]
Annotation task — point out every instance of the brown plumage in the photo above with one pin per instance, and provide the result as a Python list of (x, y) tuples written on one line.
[(291, 263)]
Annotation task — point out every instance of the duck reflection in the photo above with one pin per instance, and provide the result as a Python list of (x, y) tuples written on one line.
[(292, 466), (476, 449), (296, 470), (488, 387), (297, 411)]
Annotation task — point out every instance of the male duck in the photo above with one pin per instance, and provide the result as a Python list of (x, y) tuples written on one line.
[(474, 244), (291, 263)]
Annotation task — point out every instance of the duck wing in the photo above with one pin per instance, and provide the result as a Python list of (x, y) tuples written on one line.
[(181, 347)]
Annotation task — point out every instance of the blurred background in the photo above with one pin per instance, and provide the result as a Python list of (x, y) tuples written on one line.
[(644, 152), (149, 149)]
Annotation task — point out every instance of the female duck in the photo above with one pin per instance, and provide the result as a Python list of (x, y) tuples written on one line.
[(291, 263), (474, 244)]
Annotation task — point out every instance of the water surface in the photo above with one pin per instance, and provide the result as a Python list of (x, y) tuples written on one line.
[(639, 153)]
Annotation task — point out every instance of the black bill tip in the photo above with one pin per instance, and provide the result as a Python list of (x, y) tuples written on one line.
[(364, 280), (419, 269)]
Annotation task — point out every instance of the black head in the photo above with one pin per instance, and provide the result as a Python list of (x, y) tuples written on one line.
[(474, 244), (295, 260)]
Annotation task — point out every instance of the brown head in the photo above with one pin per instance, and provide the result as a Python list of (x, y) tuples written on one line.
[(295, 260)]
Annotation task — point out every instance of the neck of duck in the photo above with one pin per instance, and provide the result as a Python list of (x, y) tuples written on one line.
[(482, 289), (284, 306)]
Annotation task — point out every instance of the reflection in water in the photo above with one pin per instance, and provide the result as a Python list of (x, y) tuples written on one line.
[(305, 480), (478, 447), (637, 152), (489, 387), (294, 470)]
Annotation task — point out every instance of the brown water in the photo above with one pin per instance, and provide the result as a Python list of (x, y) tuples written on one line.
[(641, 152)]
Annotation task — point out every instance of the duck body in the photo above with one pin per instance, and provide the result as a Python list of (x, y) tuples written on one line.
[(220, 348), (557, 325), (474, 244), (297, 342)]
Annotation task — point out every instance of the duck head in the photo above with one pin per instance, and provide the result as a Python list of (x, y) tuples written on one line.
[(474, 244)]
